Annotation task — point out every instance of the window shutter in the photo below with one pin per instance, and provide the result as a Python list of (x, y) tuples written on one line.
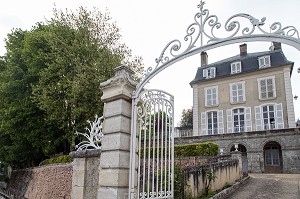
[(238, 67), (267, 61), (215, 96), (240, 93), (205, 73), (258, 118), (270, 88), (263, 89), (248, 121), (233, 68), (213, 72), (279, 117), (203, 123), (234, 93), (261, 62), (229, 121), (220, 122)]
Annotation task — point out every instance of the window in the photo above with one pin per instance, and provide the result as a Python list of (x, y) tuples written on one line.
[(266, 88), (238, 120), (212, 122), (209, 72), (268, 117), (236, 67), (272, 156), (237, 92), (211, 96), (264, 61)]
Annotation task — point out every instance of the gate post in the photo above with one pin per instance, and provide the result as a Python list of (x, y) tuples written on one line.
[(115, 155)]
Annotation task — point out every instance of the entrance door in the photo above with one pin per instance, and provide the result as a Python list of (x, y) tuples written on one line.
[(273, 157)]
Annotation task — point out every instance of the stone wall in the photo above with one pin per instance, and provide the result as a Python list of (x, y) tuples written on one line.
[(45, 182), (85, 173), (254, 143), (226, 172)]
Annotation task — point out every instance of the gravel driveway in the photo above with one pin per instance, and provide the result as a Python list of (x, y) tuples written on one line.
[(270, 186)]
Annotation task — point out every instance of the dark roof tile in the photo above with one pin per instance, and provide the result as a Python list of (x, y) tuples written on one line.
[(249, 64)]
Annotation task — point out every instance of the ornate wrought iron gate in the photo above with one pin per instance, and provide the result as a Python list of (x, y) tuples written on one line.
[(155, 145)]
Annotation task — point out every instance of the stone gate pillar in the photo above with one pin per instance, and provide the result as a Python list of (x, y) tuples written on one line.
[(115, 155)]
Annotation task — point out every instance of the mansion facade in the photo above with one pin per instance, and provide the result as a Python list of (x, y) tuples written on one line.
[(244, 93), (245, 102)]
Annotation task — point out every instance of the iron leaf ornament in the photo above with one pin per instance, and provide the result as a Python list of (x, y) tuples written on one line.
[(93, 137)]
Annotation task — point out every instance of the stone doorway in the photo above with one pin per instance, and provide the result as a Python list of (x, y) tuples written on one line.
[(272, 157), (243, 150)]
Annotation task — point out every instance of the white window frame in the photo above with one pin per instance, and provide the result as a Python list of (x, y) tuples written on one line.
[(209, 72), (260, 91), (236, 67), (264, 61), (217, 125), (239, 128), (247, 119), (269, 124), (214, 102), (278, 116), (238, 96)]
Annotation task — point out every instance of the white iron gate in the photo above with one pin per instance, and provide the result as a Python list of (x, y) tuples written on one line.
[(154, 150)]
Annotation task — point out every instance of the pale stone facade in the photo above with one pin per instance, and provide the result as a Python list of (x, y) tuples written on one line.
[(247, 101), (251, 87)]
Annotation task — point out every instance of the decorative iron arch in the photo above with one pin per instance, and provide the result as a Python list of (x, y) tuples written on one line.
[(176, 51)]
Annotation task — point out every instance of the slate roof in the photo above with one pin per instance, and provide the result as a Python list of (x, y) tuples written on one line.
[(249, 64)]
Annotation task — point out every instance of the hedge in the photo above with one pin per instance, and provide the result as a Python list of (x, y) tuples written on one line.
[(190, 150), (59, 159)]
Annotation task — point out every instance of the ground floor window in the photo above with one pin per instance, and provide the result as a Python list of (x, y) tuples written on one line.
[(272, 156)]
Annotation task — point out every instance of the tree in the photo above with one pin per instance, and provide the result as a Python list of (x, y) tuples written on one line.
[(50, 80), (23, 130), (186, 118)]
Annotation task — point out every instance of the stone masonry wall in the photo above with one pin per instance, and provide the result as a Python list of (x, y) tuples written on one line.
[(226, 172), (46, 182)]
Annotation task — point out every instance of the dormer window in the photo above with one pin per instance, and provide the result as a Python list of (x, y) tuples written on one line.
[(264, 61), (236, 67), (209, 72)]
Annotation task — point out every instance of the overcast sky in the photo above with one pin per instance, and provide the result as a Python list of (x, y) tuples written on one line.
[(147, 26)]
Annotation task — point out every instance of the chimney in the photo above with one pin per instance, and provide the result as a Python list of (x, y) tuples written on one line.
[(243, 50), (204, 58), (276, 46)]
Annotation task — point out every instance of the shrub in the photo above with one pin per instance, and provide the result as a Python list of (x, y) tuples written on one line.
[(200, 149), (59, 159), (190, 150)]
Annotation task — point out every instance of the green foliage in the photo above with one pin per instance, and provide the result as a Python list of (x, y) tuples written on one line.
[(200, 149), (186, 118), (49, 82), (189, 150), (179, 182), (59, 159)]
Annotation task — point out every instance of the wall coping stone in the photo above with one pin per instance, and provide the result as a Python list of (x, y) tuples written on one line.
[(85, 153), (278, 132)]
